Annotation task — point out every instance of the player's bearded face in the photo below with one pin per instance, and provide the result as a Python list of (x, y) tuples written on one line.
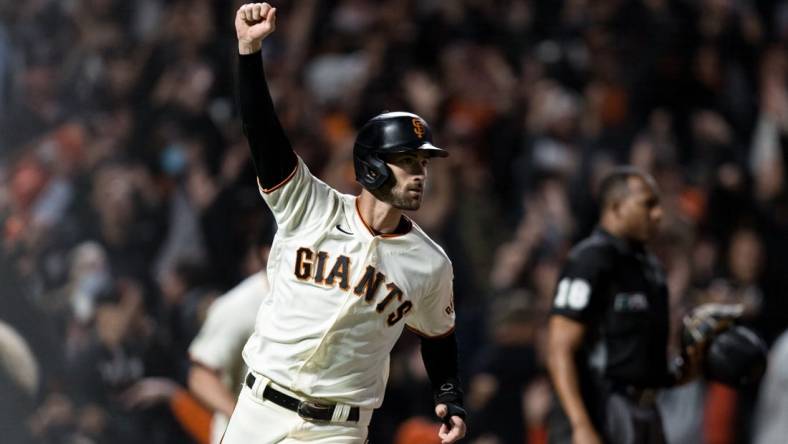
[(405, 188)]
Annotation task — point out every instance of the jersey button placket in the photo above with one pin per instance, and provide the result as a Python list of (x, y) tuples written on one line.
[(372, 252)]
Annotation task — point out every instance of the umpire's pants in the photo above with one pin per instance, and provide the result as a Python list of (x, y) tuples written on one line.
[(623, 420)]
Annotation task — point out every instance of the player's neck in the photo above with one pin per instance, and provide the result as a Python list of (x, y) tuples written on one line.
[(378, 215), (609, 224), (612, 226)]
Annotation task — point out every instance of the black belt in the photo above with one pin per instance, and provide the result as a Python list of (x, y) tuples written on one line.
[(643, 396), (305, 409)]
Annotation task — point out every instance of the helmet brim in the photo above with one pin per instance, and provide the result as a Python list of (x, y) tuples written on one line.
[(433, 150), (430, 149)]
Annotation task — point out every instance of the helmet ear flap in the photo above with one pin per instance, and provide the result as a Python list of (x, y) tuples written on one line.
[(371, 172)]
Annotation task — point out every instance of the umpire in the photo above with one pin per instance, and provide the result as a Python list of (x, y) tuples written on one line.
[(608, 328)]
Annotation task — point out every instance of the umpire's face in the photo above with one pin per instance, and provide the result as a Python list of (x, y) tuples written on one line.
[(405, 188), (640, 211)]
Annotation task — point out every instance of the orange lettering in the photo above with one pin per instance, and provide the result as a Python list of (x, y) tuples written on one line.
[(418, 128)]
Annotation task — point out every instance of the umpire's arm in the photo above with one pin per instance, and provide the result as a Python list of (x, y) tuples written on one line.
[(565, 337)]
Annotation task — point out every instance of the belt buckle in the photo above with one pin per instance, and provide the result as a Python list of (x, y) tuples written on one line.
[(643, 397), (314, 411), (648, 397)]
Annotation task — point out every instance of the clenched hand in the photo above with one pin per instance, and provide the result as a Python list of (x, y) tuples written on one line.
[(253, 23)]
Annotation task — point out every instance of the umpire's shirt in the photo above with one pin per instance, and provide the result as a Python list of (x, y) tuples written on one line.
[(617, 290)]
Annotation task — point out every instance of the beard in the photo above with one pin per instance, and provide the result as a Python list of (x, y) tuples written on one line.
[(397, 197)]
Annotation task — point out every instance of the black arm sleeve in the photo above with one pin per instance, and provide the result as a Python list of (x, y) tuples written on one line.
[(440, 360), (272, 155)]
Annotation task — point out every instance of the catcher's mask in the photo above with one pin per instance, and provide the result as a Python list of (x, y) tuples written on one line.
[(389, 133)]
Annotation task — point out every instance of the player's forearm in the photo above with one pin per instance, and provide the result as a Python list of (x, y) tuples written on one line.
[(440, 359), (209, 389), (272, 155), (561, 366)]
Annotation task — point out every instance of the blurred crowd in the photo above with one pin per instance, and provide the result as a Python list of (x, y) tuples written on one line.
[(128, 202)]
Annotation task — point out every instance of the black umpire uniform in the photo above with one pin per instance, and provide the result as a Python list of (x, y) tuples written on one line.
[(618, 291)]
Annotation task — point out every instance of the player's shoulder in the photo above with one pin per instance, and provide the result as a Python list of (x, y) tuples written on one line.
[(253, 284), (302, 175), (303, 168), (250, 292), (597, 247), (429, 248)]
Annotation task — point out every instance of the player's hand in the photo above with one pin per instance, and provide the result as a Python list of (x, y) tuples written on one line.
[(453, 433), (253, 23), (585, 434), (148, 392)]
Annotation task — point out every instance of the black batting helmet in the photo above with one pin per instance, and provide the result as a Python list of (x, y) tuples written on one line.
[(735, 357), (389, 133)]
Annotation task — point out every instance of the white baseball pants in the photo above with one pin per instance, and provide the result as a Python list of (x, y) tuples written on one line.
[(256, 420)]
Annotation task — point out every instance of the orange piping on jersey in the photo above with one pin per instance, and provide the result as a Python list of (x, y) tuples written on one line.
[(425, 335), (383, 235), (280, 184)]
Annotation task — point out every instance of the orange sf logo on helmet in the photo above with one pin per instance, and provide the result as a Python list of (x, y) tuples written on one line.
[(418, 127)]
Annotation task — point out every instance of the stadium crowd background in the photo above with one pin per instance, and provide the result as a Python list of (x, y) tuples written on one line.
[(128, 202)]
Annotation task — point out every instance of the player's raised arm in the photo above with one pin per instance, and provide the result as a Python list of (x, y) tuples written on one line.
[(272, 155)]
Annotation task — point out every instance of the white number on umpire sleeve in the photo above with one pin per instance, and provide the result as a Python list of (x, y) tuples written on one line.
[(574, 293), (562, 294), (579, 294)]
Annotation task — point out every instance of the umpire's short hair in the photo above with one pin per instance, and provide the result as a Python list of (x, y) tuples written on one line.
[(615, 185)]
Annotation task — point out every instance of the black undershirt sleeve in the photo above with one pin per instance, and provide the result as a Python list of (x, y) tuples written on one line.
[(272, 155), (440, 360)]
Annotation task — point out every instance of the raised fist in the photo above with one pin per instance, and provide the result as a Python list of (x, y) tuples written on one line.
[(253, 23)]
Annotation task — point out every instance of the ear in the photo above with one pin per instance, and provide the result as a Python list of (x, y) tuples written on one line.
[(616, 205)]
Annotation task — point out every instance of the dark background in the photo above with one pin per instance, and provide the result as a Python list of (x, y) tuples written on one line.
[(128, 202)]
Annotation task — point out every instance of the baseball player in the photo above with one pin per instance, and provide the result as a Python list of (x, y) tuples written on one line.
[(346, 273), (217, 369)]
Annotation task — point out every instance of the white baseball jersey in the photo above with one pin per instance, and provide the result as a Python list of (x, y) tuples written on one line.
[(218, 345), (341, 295)]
